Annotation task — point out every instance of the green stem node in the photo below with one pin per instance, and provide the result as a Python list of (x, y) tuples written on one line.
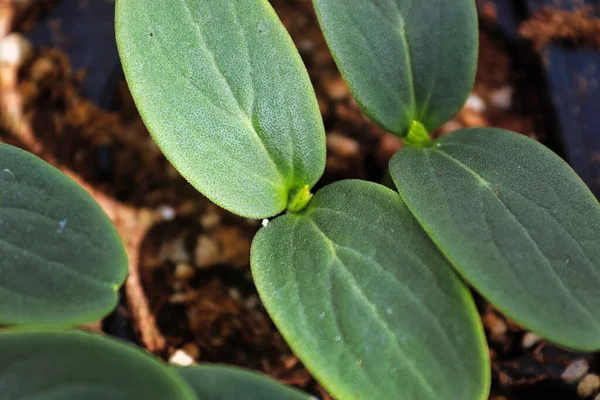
[(300, 200), (417, 136)]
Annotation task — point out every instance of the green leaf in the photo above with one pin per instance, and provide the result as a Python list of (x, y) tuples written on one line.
[(367, 302), (71, 365), (404, 60), (225, 95), (219, 382), (516, 222), (61, 259)]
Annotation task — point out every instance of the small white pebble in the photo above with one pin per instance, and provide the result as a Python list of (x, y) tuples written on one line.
[(14, 50), (265, 222), (207, 252), (178, 298), (342, 146), (502, 98), (184, 271), (210, 220), (234, 293), (180, 357), (251, 302), (575, 371), (588, 385), (529, 340), (476, 103), (167, 213)]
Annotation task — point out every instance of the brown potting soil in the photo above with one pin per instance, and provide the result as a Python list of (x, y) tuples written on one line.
[(580, 27), (190, 294)]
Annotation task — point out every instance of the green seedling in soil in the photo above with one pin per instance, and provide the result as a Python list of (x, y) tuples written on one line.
[(363, 282), (510, 216), (61, 265)]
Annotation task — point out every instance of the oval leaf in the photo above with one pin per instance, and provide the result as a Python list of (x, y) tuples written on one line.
[(225, 95), (367, 302), (517, 222), (404, 60), (219, 382), (61, 259), (71, 365)]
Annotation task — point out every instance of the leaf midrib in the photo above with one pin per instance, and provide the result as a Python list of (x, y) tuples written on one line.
[(416, 372), (550, 268), (335, 245), (246, 118), (409, 114), (72, 231), (64, 267)]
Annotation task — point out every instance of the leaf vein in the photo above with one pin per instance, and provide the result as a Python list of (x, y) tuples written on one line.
[(550, 267), (244, 114), (417, 373), (57, 264)]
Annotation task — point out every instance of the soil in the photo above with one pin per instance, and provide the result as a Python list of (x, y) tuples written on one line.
[(190, 294), (548, 25)]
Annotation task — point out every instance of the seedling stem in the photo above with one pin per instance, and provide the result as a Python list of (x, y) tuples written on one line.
[(417, 136)]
